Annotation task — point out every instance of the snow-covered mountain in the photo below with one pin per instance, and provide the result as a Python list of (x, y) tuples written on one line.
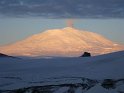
[(98, 74), (62, 42)]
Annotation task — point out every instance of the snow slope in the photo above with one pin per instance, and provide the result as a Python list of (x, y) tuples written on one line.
[(62, 42), (63, 74)]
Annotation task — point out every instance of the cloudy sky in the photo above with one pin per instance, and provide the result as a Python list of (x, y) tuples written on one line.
[(63, 8), (22, 18)]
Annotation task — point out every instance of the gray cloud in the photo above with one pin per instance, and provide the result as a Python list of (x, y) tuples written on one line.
[(63, 8)]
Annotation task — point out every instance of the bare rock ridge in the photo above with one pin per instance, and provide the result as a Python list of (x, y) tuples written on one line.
[(5, 56), (62, 42)]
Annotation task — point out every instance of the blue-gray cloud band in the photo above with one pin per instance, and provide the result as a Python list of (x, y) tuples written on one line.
[(63, 8)]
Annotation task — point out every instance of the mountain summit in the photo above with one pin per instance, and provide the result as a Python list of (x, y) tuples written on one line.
[(62, 42)]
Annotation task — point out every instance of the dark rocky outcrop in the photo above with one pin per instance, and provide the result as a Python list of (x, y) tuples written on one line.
[(85, 85), (4, 55), (86, 54), (109, 83)]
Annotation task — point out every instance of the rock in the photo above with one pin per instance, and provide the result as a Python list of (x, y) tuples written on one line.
[(4, 55), (109, 84), (86, 54)]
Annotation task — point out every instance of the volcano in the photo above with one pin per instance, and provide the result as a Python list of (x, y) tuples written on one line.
[(65, 42)]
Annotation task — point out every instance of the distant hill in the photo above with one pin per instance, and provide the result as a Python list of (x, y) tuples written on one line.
[(98, 74), (62, 42), (4, 55)]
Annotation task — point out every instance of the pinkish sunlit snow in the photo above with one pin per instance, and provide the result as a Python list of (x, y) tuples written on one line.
[(61, 46)]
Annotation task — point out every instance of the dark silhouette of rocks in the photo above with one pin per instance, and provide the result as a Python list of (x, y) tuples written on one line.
[(85, 85), (4, 55), (86, 54), (108, 83)]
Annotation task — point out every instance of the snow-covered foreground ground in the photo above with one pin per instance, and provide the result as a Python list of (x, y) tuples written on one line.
[(100, 74)]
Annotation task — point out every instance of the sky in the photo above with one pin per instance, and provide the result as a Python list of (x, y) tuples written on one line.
[(20, 19), (16, 29), (63, 8)]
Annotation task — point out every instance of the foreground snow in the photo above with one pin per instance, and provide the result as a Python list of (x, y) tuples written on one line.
[(59, 75)]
